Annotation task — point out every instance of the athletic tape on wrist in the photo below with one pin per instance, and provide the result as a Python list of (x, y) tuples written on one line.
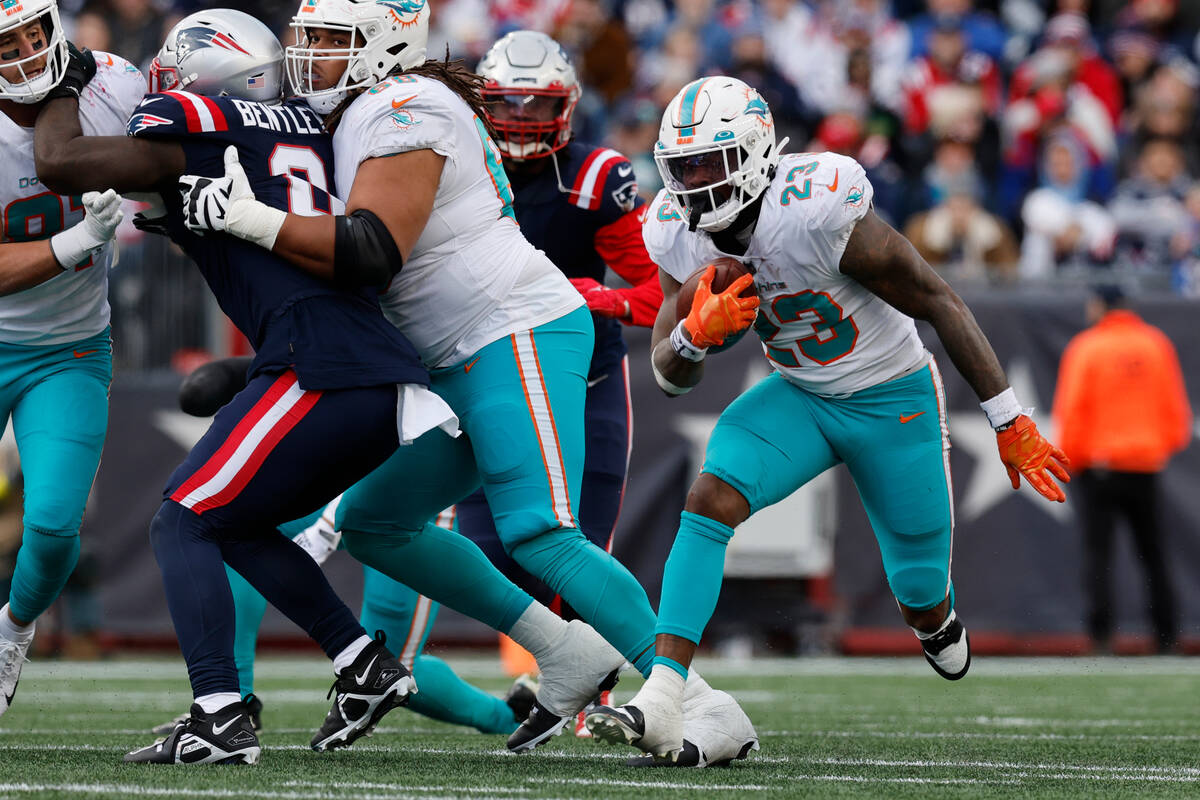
[(685, 349), (1003, 408)]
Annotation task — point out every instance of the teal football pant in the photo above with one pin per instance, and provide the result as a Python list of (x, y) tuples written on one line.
[(57, 398), (520, 402), (776, 437)]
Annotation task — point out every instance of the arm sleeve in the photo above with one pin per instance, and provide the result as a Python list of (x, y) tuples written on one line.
[(621, 246), (1069, 403), (1178, 419)]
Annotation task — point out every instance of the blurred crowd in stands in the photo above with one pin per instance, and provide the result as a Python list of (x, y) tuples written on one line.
[(1009, 139)]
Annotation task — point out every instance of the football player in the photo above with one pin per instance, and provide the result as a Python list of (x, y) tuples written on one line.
[(329, 370), (55, 349), (837, 292), (230, 55), (507, 338)]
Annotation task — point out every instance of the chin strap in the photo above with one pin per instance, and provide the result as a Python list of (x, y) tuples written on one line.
[(694, 218)]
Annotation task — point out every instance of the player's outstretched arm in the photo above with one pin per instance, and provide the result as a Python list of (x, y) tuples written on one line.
[(367, 246), (675, 374), (70, 163), (889, 266), (24, 265)]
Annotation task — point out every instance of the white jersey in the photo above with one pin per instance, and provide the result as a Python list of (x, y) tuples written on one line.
[(472, 278), (821, 330), (73, 305)]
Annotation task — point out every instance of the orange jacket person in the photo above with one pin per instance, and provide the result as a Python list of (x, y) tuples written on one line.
[(1122, 412)]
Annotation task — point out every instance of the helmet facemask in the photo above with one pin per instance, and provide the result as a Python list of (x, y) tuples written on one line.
[(530, 123), (301, 60), (51, 58), (711, 185)]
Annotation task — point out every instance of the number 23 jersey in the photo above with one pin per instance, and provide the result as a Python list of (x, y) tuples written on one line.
[(823, 331), (73, 305)]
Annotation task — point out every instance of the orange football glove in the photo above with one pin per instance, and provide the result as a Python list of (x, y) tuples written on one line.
[(1025, 451), (716, 316)]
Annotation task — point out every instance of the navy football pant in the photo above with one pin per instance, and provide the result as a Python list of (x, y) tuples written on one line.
[(607, 427), (275, 453)]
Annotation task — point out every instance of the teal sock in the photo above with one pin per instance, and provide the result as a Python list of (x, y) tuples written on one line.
[(44, 562), (673, 664), (249, 607), (692, 577), (597, 586), (445, 696), (445, 567)]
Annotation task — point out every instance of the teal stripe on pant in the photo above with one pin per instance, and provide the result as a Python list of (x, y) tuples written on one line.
[(57, 398)]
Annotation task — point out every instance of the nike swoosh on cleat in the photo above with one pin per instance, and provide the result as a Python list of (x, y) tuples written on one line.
[(361, 679), (910, 417), (833, 186), (81, 354), (8, 698), (219, 729)]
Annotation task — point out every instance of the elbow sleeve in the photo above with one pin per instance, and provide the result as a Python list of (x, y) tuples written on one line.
[(364, 252)]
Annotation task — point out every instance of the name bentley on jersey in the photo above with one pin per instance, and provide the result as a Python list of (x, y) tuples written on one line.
[(73, 305), (822, 330)]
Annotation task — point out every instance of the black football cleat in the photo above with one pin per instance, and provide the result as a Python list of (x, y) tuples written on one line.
[(254, 708), (521, 696), (366, 690), (223, 737)]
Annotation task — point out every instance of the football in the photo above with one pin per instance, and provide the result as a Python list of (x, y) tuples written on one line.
[(728, 270)]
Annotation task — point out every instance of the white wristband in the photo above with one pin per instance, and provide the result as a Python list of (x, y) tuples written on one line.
[(684, 347), (255, 222), (1003, 408), (73, 246)]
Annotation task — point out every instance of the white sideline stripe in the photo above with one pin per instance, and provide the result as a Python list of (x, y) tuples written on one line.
[(1005, 737), (129, 790), (245, 449), (705, 787), (539, 405), (1100, 769)]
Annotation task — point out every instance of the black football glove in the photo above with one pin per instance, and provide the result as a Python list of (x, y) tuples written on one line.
[(81, 68)]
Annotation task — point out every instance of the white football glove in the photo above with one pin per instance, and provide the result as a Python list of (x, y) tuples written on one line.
[(102, 215), (228, 204), (319, 540)]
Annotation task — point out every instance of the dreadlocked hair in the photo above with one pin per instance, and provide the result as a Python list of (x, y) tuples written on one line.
[(454, 74)]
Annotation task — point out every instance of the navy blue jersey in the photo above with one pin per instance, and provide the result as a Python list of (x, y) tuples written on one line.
[(333, 339), (569, 227)]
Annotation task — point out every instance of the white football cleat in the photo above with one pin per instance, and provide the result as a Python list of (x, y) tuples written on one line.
[(716, 731), (12, 658), (579, 667), (949, 650), (652, 722)]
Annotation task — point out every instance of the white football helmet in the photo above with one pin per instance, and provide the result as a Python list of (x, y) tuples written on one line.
[(530, 95), (385, 35), (16, 15), (220, 52), (716, 150)]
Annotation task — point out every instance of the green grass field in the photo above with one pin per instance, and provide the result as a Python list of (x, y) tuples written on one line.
[(829, 728)]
